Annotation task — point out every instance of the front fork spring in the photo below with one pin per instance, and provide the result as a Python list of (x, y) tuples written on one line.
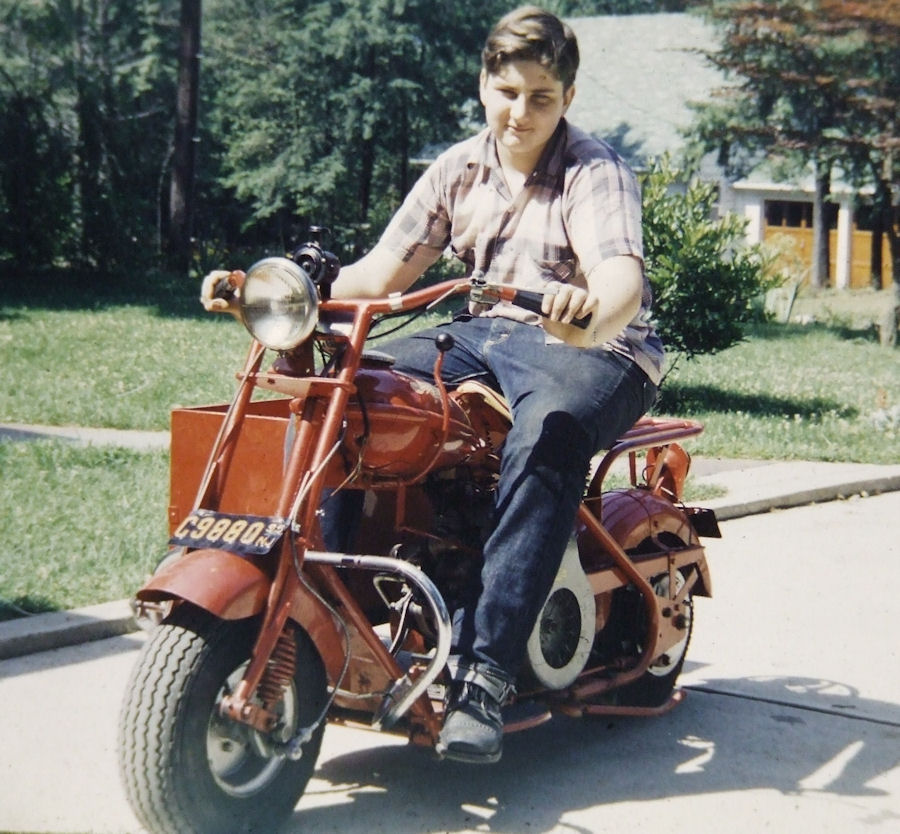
[(279, 670)]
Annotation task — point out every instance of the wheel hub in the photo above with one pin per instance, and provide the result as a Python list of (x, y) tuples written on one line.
[(243, 760)]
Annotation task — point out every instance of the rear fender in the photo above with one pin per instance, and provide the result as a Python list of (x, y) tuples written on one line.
[(634, 515), (232, 588)]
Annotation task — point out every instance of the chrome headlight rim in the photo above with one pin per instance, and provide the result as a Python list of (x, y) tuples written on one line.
[(279, 303)]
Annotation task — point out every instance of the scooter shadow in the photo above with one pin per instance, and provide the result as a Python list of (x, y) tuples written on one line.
[(712, 743)]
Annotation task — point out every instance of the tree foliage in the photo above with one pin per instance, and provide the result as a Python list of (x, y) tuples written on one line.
[(706, 280), (577, 8), (340, 96), (86, 95), (310, 111), (811, 80)]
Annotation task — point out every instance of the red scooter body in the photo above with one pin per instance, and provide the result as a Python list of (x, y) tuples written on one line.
[(266, 636)]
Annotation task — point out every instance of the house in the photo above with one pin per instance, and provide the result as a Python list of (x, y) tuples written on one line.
[(637, 76)]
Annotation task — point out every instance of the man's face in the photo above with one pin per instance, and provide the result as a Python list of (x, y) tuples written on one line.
[(523, 103)]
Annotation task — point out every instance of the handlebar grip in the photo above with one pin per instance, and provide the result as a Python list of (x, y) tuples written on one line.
[(224, 288), (532, 301)]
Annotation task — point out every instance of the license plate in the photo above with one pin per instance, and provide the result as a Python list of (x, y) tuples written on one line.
[(249, 535)]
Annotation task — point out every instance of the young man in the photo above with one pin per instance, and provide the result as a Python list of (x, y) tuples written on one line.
[(535, 202)]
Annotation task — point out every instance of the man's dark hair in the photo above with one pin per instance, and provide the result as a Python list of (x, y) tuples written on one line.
[(532, 34)]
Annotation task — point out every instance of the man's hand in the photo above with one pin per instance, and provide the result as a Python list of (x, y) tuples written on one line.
[(618, 281), (564, 302), (220, 290)]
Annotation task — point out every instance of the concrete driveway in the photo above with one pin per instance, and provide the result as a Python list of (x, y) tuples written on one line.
[(791, 722)]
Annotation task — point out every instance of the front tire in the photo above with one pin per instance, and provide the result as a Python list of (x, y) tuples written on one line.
[(185, 768)]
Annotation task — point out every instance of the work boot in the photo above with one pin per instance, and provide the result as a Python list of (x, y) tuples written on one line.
[(473, 726)]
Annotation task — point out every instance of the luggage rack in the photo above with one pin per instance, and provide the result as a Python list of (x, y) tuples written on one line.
[(646, 433)]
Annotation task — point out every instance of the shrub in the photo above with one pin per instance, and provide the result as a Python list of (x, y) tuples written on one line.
[(706, 280)]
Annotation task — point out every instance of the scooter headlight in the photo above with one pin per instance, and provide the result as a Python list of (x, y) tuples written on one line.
[(279, 303)]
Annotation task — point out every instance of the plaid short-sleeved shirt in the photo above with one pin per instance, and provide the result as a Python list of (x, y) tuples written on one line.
[(580, 206)]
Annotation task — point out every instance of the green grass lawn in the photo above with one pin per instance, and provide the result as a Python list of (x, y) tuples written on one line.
[(85, 525), (117, 367), (795, 393), (78, 525)]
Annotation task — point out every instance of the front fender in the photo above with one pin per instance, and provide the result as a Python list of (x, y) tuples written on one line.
[(232, 588), (215, 580)]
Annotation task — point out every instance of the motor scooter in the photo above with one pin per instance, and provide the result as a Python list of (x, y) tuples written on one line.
[(260, 635)]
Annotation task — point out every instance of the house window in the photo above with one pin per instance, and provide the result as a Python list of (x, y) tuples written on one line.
[(793, 214)]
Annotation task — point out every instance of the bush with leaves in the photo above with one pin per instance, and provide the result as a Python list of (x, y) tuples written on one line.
[(706, 280)]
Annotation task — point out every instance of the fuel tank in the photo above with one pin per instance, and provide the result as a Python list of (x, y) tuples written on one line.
[(395, 426)]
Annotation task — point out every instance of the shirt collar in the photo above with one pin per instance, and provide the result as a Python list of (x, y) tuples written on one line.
[(550, 169)]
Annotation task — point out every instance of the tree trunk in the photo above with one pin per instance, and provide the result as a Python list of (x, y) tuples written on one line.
[(877, 265), (403, 157), (181, 190), (91, 220), (893, 316), (820, 255), (366, 173)]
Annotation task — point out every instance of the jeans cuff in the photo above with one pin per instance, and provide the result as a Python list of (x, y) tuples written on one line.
[(492, 680)]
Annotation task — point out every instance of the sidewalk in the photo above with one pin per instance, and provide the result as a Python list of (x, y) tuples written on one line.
[(751, 487), (759, 486), (98, 437)]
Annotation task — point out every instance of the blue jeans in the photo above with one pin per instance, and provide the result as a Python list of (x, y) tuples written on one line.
[(567, 404)]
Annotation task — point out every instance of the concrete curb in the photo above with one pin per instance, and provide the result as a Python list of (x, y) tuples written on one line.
[(803, 497), (42, 632)]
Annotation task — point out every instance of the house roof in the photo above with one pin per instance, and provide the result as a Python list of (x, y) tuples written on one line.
[(637, 75)]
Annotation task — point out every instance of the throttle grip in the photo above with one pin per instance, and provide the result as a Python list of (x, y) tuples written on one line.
[(533, 301)]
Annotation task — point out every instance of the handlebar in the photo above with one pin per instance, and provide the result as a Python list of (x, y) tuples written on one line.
[(479, 291)]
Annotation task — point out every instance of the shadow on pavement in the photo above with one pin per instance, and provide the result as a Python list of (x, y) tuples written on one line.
[(710, 744)]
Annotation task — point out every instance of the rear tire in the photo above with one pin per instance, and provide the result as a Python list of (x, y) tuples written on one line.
[(186, 769), (656, 685)]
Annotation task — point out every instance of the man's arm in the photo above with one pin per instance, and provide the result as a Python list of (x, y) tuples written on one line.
[(375, 275), (613, 299), (379, 273)]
